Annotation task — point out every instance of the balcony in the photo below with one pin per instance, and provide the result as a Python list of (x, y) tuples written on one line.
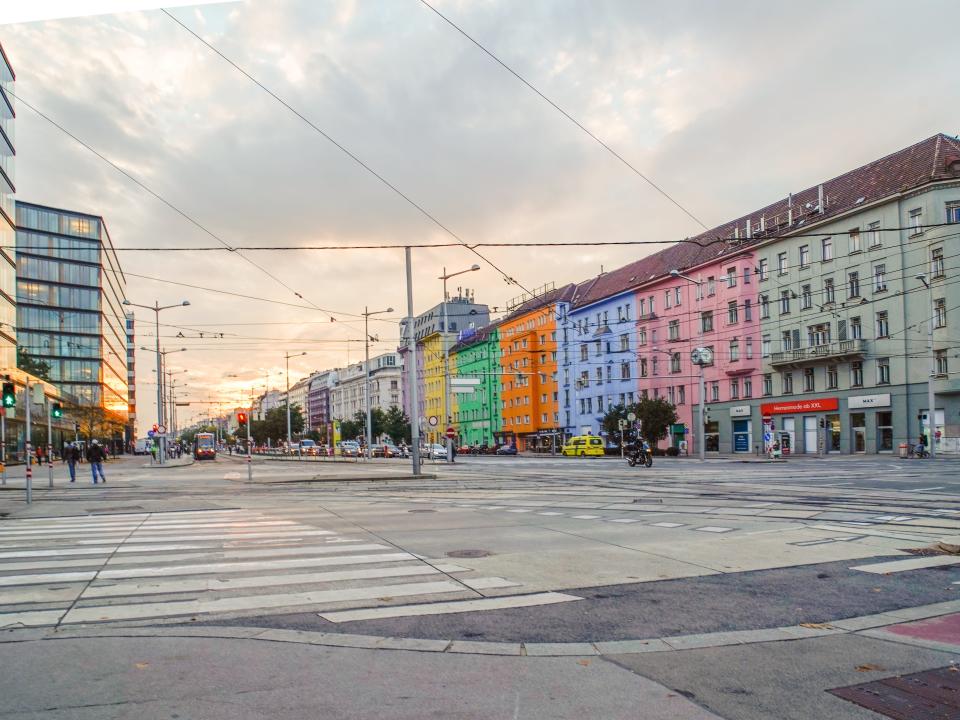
[(831, 352)]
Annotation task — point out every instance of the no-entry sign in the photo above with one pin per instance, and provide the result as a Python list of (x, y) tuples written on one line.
[(451, 433)]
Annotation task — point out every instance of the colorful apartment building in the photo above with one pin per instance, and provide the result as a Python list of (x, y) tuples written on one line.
[(477, 358), (529, 381)]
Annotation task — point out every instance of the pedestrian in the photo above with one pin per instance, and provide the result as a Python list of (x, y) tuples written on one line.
[(72, 456), (96, 456)]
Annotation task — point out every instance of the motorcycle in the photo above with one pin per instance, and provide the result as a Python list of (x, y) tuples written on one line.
[(640, 454)]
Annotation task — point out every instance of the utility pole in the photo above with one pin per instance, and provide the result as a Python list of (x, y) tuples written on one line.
[(446, 356), (412, 369), (366, 374), (49, 405), (28, 402), (286, 358), (931, 390)]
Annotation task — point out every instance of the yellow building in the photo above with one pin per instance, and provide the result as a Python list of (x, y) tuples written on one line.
[(434, 402)]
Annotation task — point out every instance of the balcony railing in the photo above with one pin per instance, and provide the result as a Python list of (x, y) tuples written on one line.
[(836, 351)]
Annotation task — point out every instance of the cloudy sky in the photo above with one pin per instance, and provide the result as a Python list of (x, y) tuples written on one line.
[(728, 106)]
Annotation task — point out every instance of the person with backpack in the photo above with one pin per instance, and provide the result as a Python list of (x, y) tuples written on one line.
[(96, 456)]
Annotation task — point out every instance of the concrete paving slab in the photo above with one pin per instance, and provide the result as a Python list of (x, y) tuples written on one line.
[(559, 649), (485, 648), (620, 647)]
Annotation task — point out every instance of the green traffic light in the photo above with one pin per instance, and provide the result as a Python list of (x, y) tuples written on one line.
[(9, 395), (57, 410)]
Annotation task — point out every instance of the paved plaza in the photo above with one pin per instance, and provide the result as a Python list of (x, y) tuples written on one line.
[(496, 587)]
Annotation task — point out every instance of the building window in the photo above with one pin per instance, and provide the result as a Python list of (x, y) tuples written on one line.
[(675, 362), (856, 374), (706, 321), (808, 380), (833, 377), (732, 312), (853, 285), (916, 221), (768, 384), (749, 353), (583, 352), (624, 371), (747, 272), (711, 286), (936, 262), (624, 343), (641, 337), (804, 255), (642, 307), (940, 313), (765, 346), (826, 249), (883, 325), (883, 371), (731, 277), (654, 361), (653, 305), (855, 242), (829, 292), (747, 310), (818, 335), (782, 263), (673, 330), (643, 367), (941, 358), (714, 392), (806, 298), (764, 307), (748, 388), (681, 395), (667, 297), (784, 302), (734, 389), (786, 382), (873, 234), (856, 329), (734, 350), (879, 278), (953, 212), (762, 269), (786, 340)]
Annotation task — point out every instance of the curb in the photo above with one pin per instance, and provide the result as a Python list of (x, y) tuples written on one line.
[(867, 624), (339, 479)]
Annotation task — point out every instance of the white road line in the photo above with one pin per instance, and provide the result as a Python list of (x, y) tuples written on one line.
[(667, 525), (915, 563), (171, 529), (519, 511), (254, 602), (713, 529), (488, 583), (624, 520), (139, 539), (32, 618), (551, 514), (443, 608), (585, 517), (938, 487)]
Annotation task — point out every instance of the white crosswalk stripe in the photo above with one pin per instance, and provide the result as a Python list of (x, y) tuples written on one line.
[(142, 566)]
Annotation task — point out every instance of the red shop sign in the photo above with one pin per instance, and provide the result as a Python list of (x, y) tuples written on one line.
[(800, 406)]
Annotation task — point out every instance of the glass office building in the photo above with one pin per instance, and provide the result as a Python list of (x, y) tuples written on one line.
[(8, 278), (131, 436), (69, 314)]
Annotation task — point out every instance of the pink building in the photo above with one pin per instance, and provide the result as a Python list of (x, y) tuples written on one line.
[(714, 305)]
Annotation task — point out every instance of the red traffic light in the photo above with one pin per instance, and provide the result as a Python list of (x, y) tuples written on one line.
[(156, 427), (242, 418)]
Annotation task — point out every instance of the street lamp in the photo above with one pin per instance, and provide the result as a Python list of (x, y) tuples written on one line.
[(697, 357), (286, 357), (931, 394), (446, 353), (366, 373), (156, 307)]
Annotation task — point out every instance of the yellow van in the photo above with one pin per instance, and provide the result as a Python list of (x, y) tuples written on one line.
[(583, 445)]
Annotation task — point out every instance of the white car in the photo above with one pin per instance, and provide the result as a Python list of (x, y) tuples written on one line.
[(436, 452)]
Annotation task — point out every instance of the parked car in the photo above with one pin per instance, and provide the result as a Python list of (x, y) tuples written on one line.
[(507, 450), (583, 446), (386, 450), (434, 452)]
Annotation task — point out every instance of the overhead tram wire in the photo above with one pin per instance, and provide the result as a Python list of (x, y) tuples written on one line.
[(158, 196), (567, 115), (413, 203)]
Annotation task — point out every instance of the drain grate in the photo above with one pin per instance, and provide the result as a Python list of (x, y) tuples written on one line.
[(468, 553), (928, 695)]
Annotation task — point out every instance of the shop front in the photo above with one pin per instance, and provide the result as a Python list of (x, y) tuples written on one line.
[(741, 429), (808, 426)]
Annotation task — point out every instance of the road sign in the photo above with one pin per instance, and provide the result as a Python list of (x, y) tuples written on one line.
[(150, 433), (162, 430), (451, 432), (433, 421), (631, 416), (464, 381), (622, 423)]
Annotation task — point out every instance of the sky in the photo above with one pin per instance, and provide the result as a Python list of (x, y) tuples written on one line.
[(727, 106)]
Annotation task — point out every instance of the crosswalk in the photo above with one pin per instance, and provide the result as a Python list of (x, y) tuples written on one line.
[(199, 564)]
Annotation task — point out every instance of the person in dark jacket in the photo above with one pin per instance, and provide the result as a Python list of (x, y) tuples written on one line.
[(71, 456), (96, 456)]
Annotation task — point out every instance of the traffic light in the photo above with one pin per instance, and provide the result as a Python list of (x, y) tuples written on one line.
[(241, 419), (156, 428), (56, 410), (9, 395)]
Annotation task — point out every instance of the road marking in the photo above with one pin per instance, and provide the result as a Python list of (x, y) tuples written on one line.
[(938, 487), (519, 511), (444, 608), (488, 583), (585, 517), (713, 529), (552, 514), (624, 520), (666, 525), (915, 563)]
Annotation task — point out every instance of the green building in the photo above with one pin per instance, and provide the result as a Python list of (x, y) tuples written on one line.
[(477, 415)]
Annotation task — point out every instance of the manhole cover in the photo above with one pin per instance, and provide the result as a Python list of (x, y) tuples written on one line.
[(929, 695), (421, 510), (468, 553)]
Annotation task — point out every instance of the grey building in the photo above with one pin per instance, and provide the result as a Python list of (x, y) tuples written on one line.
[(347, 396), (844, 316), (69, 315), (462, 314)]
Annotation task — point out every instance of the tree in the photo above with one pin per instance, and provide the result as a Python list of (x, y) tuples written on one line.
[(274, 424), (356, 426), (33, 365), (654, 415), (396, 424), (95, 421)]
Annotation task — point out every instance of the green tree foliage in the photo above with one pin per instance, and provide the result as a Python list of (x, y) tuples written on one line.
[(274, 425), (188, 436), (33, 365), (655, 415), (355, 427), (396, 424)]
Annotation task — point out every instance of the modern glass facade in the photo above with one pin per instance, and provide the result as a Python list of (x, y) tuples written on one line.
[(69, 289), (131, 381), (8, 277)]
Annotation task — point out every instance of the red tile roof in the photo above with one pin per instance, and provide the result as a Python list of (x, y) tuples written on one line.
[(930, 160)]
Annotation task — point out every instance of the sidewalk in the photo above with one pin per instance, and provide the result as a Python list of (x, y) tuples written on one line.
[(183, 461)]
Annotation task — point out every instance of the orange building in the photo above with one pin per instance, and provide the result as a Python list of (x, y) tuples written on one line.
[(529, 385)]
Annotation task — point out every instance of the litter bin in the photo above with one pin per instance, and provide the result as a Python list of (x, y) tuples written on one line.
[(904, 450)]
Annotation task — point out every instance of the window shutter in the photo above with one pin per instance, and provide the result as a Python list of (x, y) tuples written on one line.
[(841, 329), (796, 338)]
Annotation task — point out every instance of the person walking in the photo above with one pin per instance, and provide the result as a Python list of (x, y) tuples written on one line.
[(72, 456), (96, 457)]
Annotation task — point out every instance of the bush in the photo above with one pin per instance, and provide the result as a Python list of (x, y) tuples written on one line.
[(672, 451)]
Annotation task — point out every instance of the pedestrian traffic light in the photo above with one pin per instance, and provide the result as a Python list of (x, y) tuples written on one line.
[(9, 395), (56, 410), (241, 419)]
